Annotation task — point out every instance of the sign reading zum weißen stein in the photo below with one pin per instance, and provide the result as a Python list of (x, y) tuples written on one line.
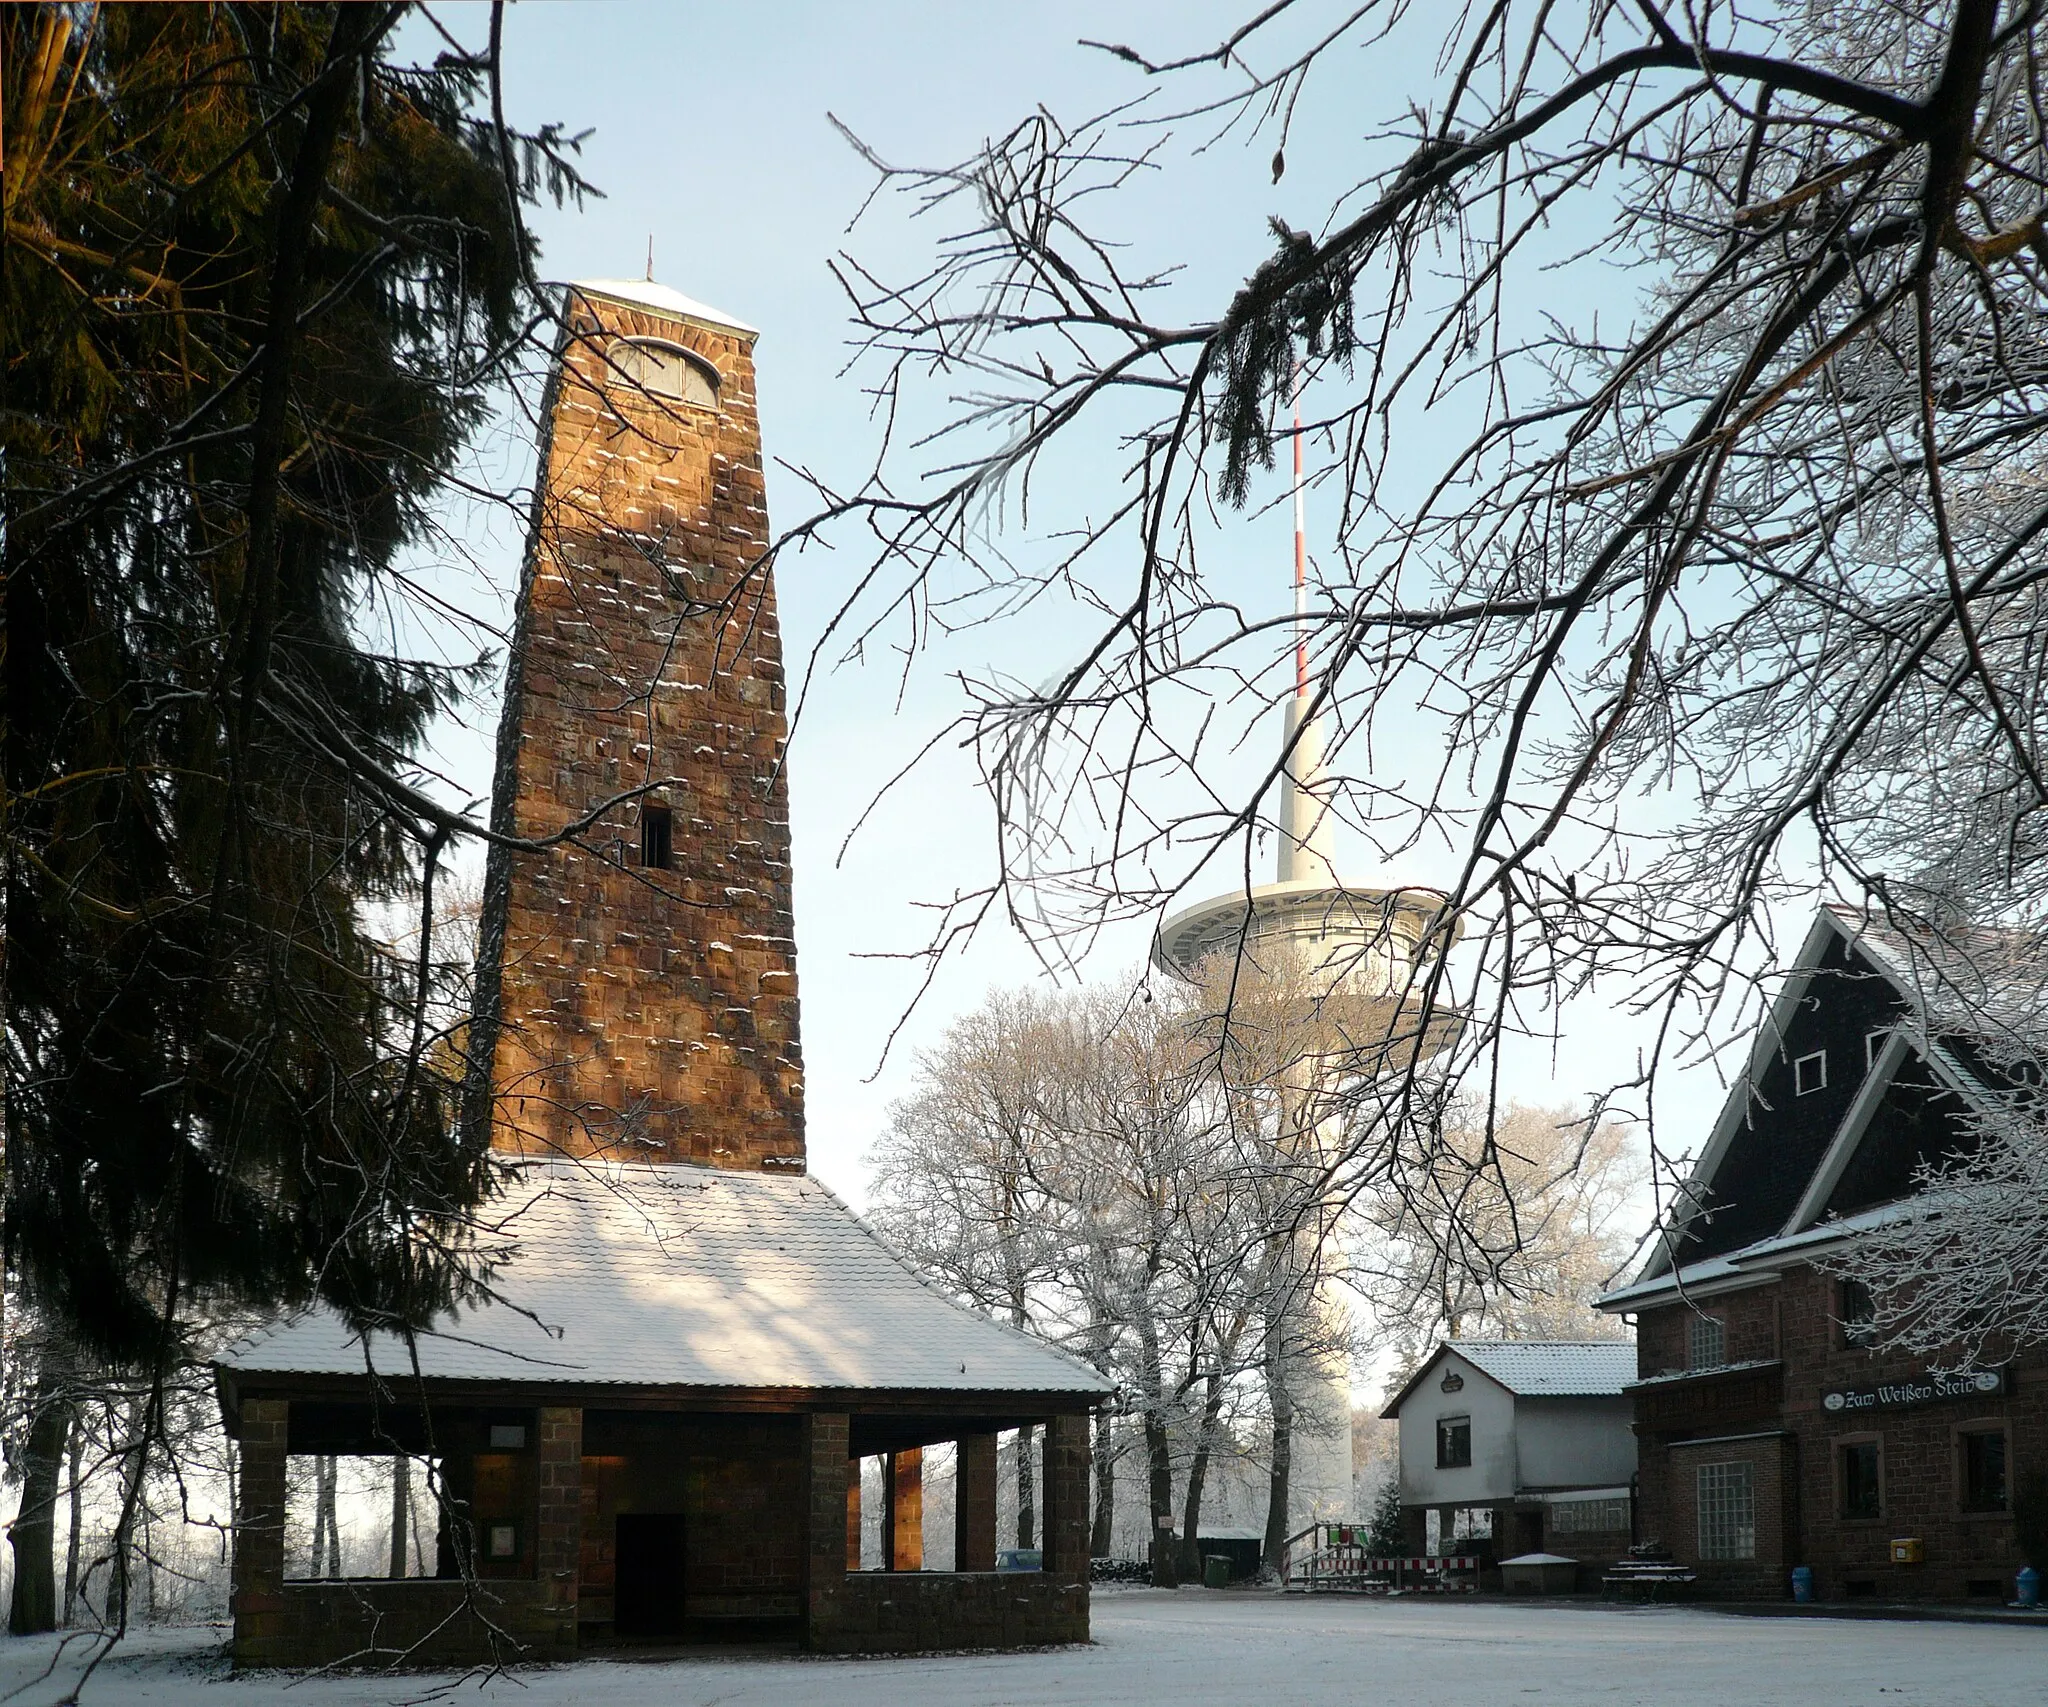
[(1917, 1390)]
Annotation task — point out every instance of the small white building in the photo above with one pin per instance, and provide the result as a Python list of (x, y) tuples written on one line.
[(1519, 1446)]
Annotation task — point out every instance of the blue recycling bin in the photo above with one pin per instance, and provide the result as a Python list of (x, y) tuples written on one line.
[(1802, 1584), (2028, 1583)]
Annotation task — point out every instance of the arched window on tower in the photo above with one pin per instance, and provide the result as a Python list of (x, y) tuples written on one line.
[(664, 370)]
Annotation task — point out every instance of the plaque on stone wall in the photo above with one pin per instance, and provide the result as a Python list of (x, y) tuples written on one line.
[(1925, 1389)]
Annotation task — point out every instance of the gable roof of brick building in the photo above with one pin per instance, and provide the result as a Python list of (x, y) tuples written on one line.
[(681, 1276), (1908, 1035)]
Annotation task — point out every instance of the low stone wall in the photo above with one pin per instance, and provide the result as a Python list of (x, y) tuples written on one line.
[(414, 1621), (908, 1612)]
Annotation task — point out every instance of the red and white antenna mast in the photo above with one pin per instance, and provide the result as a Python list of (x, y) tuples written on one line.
[(1300, 556), (1305, 823)]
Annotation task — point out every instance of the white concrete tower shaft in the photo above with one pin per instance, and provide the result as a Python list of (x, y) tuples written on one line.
[(1321, 1469)]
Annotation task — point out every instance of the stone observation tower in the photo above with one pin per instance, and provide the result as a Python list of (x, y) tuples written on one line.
[(644, 980), (1340, 959), (652, 1424)]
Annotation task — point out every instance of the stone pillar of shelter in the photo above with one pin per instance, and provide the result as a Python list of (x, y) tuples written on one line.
[(903, 1510), (558, 1526), (974, 1503), (1066, 1497), (826, 1508), (636, 982), (257, 1597), (853, 1514)]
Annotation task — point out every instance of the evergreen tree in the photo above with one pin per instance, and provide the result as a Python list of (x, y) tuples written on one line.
[(263, 281), (1384, 1536)]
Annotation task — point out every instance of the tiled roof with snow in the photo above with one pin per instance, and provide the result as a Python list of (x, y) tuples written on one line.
[(1974, 979), (1761, 1261), (689, 1277), (1553, 1369)]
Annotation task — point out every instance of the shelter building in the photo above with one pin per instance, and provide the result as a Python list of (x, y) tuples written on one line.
[(1771, 1433), (1519, 1446), (651, 1423)]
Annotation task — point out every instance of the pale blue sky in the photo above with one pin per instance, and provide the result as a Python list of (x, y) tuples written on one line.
[(710, 134)]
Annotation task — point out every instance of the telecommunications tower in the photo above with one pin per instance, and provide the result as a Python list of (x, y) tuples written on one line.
[(1331, 946)]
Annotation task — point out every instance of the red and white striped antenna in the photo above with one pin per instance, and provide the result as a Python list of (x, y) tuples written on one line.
[(1300, 555)]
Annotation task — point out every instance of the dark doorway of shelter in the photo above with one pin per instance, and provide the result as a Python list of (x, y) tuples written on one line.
[(1530, 1525), (650, 1576)]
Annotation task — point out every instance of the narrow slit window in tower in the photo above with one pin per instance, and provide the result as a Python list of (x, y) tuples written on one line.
[(657, 831)]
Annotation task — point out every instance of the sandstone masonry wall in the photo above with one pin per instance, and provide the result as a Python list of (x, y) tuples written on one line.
[(646, 1013)]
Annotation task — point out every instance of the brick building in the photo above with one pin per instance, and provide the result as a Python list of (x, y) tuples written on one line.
[(1770, 1435), (653, 1425)]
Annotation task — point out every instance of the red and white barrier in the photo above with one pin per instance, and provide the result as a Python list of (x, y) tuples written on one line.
[(1344, 1564)]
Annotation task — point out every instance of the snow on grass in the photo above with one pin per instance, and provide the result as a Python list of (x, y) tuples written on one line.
[(1239, 1649)]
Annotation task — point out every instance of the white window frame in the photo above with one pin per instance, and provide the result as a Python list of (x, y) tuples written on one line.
[(1873, 1046), (1443, 1424), (1695, 1331), (1799, 1085), (1724, 1495), (1589, 1517)]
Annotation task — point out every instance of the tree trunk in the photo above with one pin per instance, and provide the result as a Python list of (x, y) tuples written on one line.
[(401, 1509), (146, 1556), (1101, 1538), (1159, 1546), (1280, 1398), (326, 1532), (77, 1491), (135, 1463), (1198, 1476), (1027, 1490), (333, 1519), (1159, 1478), (34, 1531), (1020, 1318)]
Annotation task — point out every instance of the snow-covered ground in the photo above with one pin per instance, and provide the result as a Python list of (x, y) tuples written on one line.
[(1241, 1649)]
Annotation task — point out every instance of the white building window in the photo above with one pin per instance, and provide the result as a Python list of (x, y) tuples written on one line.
[(1706, 1343), (1726, 1496), (1810, 1073)]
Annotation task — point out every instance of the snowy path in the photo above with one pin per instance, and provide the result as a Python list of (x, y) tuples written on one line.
[(1236, 1650)]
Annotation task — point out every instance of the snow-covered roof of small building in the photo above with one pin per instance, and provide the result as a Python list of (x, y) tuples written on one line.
[(679, 1276), (645, 293), (1553, 1369), (1538, 1369)]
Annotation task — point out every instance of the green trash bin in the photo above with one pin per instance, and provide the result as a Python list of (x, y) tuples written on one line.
[(1215, 1571)]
